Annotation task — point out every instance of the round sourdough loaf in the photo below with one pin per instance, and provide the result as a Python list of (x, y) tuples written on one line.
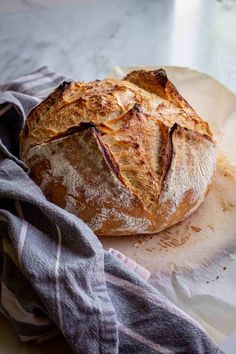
[(127, 156)]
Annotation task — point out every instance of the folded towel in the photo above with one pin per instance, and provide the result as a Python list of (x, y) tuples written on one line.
[(55, 275)]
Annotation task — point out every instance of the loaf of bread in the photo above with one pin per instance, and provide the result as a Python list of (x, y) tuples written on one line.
[(127, 156)]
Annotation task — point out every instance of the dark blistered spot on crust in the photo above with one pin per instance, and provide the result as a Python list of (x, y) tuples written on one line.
[(136, 108), (161, 77), (65, 84)]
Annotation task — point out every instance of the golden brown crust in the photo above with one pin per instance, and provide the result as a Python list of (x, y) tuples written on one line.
[(74, 174), (157, 82), (74, 103), (140, 146), (127, 156)]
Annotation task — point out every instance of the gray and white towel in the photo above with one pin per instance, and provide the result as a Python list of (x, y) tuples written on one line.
[(55, 275)]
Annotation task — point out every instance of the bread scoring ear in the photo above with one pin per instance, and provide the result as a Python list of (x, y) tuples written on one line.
[(156, 81)]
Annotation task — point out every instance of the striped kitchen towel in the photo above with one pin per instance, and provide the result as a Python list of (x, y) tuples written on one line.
[(55, 275)]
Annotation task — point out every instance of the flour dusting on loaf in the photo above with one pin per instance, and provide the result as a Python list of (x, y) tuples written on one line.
[(191, 171), (127, 156)]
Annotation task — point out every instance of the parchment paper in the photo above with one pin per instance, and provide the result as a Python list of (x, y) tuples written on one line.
[(193, 263)]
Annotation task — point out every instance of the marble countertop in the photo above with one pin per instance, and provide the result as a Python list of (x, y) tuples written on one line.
[(84, 39)]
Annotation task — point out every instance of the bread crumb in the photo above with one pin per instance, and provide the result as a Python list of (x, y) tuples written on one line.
[(226, 206), (196, 228), (211, 227)]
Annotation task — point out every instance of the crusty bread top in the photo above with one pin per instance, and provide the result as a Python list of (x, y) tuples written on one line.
[(104, 100)]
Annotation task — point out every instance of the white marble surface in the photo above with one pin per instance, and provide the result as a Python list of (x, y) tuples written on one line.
[(84, 39)]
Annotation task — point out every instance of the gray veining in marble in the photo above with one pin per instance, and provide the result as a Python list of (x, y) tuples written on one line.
[(84, 39)]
